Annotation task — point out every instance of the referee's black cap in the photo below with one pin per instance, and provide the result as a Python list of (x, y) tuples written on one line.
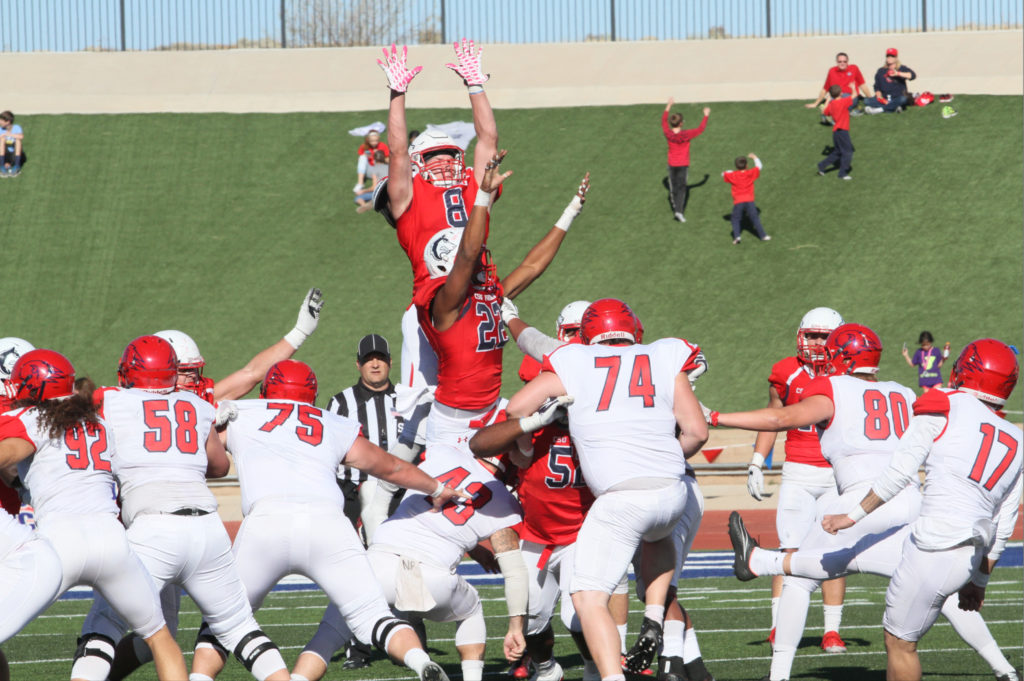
[(373, 344)]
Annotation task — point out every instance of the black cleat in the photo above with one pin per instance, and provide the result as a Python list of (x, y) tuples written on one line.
[(641, 655), (743, 545), (672, 669)]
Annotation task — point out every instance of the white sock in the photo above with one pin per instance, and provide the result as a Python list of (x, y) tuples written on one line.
[(199, 677), (673, 639), (623, 633), (472, 670), (298, 677), (995, 658), (775, 611), (973, 630), (691, 649), (655, 612), (833, 617), (764, 562), (782, 662), (416, 659), (614, 677)]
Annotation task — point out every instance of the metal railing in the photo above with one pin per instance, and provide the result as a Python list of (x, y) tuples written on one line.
[(122, 25)]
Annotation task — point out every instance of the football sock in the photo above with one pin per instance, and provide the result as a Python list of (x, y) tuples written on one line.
[(833, 617), (472, 670), (672, 645), (416, 659), (775, 611), (623, 632), (655, 613), (764, 562), (691, 649)]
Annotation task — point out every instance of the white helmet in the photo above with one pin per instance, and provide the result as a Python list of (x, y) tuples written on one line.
[(439, 255), (11, 349), (570, 318), (436, 170), (184, 347), (819, 320)]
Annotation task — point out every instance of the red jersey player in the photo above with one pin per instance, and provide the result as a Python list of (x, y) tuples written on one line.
[(10, 350)]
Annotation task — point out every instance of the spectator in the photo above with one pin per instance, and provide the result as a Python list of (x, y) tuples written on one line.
[(742, 181), (842, 145), (368, 156), (849, 78), (890, 85), (371, 401), (375, 175), (12, 142), (928, 361), (679, 155)]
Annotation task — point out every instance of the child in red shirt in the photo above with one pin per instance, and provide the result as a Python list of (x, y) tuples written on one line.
[(742, 181), (842, 145)]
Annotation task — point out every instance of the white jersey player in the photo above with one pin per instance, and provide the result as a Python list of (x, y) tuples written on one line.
[(860, 421), (629, 398), (971, 456), (287, 451), (64, 450), (166, 449)]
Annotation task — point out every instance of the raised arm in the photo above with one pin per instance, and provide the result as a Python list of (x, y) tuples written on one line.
[(399, 76), (468, 68)]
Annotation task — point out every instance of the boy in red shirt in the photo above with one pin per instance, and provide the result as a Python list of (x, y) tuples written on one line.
[(842, 145), (742, 181)]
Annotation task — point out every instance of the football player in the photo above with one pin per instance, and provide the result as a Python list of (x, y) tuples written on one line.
[(860, 420), (623, 423), (808, 484), (64, 453), (286, 451), (971, 457), (10, 350)]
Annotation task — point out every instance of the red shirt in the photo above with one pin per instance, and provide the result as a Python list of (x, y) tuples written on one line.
[(839, 110), (742, 182), (529, 368), (432, 209), (679, 142), (469, 352), (368, 151), (552, 491), (790, 378), (849, 79)]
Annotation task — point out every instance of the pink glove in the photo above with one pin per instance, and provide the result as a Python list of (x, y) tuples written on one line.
[(469, 63), (394, 67)]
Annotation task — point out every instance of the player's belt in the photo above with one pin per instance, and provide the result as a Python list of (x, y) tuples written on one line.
[(190, 512)]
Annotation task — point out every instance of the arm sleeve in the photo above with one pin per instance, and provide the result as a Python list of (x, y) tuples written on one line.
[(537, 344), (758, 164), (1006, 520), (910, 453)]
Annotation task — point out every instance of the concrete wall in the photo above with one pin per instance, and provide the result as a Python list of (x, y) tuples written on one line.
[(524, 76)]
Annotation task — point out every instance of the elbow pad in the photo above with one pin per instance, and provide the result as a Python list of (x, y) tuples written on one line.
[(513, 569)]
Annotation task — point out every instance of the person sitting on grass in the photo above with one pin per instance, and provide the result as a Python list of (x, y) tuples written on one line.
[(12, 145)]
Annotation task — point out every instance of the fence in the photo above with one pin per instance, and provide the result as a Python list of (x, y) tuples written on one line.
[(120, 25)]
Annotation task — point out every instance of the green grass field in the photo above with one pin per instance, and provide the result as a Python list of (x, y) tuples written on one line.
[(731, 619), (217, 225)]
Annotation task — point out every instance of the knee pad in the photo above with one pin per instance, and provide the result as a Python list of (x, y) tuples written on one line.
[(256, 645), (93, 657), (384, 629), (472, 629), (206, 639)]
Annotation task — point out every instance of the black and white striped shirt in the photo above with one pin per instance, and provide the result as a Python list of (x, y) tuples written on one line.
[(375, 411)]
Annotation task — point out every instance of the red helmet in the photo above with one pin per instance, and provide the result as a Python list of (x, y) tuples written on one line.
[(289, 379), (609, 319), (148, 363), (987, 369), (853, 349), (41, 375)]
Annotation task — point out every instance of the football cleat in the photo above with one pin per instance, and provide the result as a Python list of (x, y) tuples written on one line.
[(1009, 676), (647, 645), (432, 672), (520, 669), (672, 669), (553, 672), (743, 545), (831, 643)]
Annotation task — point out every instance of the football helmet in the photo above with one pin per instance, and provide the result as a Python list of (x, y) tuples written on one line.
[(819, 320), (438, 159), (853, 349), (610, 319), (987, 369), (289, 379), (148, 363), (570, 318), (41, 375), (11, 349), (190, 361)]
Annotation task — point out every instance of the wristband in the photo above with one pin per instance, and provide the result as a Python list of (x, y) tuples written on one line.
[(857, 513), (296, 337), (980, 579), (483, 199), (945, 354), (713, 418), (475, 89), (565, 222), (757, 460), (437, 492)]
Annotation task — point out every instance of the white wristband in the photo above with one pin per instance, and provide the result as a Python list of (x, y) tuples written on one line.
[(483, 199), (437, 492), (857, 513), (569, 214), (945, 354), (757, 460), (296, 337), (475, 89)]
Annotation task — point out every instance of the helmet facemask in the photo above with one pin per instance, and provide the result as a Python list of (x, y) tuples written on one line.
[(441, 166)]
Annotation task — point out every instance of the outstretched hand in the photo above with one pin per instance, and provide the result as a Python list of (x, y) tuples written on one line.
[(394, 66), (493, 177), (469, 63)]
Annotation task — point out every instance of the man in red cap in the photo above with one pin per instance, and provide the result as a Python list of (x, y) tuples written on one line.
[(890, 85)]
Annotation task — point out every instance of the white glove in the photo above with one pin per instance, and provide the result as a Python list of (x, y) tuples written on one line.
[(309, 317), (399, 75), (547, 413), (693, 374), (755, 478), (575, 206), (509, 311), (226, 411), (706, 411), (469, 63)]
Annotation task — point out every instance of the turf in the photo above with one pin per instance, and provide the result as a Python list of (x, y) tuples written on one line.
[(217, 224), (731, 635)]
